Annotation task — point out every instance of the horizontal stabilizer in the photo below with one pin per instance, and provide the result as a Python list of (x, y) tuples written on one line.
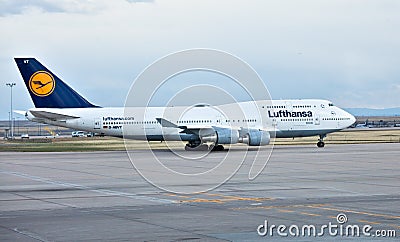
[(23, 113), (51, 115)]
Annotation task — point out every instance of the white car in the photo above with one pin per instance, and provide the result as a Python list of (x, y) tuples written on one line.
[(78, 134), (24, 136)]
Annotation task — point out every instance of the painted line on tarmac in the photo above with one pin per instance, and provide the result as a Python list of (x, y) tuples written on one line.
[(355, 212), (310, 214), (87, 188), (217, 198), (367, 222)]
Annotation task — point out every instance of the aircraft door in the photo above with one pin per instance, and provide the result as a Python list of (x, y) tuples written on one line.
[(274, 122), (222, 120), (317, 120), (289, 106), (97, 123)]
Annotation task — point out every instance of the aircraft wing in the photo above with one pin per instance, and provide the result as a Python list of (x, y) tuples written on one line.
[(186, 129), (51, 115), (167, 124)]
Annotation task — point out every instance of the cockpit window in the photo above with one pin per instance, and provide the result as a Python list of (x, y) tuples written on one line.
[(331, 105)]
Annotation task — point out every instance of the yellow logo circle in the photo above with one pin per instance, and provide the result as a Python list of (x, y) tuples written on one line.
[(42, 83)]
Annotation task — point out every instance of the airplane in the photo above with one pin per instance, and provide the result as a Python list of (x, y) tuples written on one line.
[(252, 122)]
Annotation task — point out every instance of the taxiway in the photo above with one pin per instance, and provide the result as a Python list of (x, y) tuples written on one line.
[(99, 196)]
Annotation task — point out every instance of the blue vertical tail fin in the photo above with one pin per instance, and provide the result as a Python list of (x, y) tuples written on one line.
[(46, 89)]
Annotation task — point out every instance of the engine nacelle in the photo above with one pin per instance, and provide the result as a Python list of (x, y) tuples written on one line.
[(221, 136), (256, 138)]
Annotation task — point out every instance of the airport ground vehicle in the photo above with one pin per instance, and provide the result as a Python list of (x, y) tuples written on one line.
[(78, 134), (24, 136)]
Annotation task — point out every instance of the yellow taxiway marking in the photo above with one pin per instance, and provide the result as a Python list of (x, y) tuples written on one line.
[(176, 195), (253, 208), (322, 207), (239, 198), (367, 222), (310, 214), (218, 198), (285, 211), (277, 207), (394, 226), (354, 211), (201, 200)]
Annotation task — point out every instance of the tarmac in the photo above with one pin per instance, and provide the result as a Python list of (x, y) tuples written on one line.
[(99, 196)]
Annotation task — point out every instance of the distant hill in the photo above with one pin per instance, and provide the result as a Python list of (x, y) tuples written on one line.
[(374, 112)]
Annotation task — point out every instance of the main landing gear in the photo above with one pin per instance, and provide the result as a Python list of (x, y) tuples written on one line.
[(198, 146), (321, 142), (218, 148)]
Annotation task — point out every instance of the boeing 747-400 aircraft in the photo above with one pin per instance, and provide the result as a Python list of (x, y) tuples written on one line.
[(252, 123)]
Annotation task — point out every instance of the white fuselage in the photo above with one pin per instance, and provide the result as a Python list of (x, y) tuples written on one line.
[(282, 118)]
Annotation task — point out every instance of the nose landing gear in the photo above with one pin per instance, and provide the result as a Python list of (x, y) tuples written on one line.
[(321, 142)]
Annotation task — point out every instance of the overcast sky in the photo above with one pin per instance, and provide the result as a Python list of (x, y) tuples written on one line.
[(347, 51)]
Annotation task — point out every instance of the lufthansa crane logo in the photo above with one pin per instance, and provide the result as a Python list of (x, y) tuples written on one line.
[(42, 83)]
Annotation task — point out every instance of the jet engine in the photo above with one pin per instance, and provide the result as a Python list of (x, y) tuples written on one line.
[(256, 138), (221, 136)]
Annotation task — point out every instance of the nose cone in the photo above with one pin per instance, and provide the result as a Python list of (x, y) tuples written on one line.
[(352, 119)]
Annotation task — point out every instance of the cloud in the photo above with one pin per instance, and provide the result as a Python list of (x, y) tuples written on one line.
[(302, 49), (15, 7), (10, 7), (140, 1)]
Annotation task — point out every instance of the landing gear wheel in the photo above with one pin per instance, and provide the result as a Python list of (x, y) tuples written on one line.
[(218, 148), (194, 147), (321, 143)]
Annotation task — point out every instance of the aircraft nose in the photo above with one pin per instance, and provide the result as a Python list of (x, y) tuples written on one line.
[(352, 119)]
